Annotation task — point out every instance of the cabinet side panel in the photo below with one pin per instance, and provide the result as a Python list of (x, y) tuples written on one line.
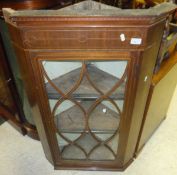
[(30, 87), (145, 75), (12, 60)]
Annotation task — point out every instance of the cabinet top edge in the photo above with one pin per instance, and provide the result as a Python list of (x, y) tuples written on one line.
[(97, 10)]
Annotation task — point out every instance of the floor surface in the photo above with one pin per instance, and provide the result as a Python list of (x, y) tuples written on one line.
[(24, 156)]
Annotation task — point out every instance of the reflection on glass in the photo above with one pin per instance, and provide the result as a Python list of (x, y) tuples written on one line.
[(86, 101)]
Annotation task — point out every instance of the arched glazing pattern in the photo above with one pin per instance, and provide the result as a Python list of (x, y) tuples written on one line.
[(86, 100)]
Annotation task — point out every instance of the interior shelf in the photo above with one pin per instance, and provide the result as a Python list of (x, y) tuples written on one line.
[(72, 120), (102, 80)]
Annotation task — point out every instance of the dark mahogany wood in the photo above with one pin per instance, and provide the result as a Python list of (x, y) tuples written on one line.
[(11, 107), (9, 102), (71, 38), (28, 4), (21, 4), (16, 121)]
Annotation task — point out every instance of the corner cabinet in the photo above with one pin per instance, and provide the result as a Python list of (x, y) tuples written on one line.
[(87, 78)]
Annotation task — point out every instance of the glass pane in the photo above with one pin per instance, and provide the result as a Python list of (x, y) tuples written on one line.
[(87, 142), (113, 143), (86, 101), (102, 153), (105, 77), (64, 76), (73, 152), (104, 118), (69, 117)]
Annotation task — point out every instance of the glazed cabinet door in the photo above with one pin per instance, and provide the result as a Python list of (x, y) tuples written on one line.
[(83, 99)]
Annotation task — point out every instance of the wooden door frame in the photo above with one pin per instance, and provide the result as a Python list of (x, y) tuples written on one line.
[(42, 101)]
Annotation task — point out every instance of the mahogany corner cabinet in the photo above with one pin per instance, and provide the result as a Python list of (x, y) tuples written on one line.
[(87, 71)]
